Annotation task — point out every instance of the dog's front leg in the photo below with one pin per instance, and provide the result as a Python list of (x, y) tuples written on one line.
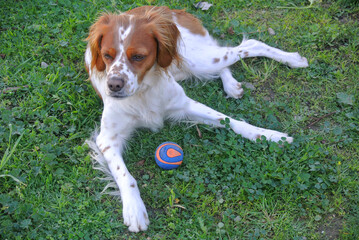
[(200, 113), (110, 141)]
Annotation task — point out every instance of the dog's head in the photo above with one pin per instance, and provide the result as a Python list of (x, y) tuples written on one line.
[(126, 46)]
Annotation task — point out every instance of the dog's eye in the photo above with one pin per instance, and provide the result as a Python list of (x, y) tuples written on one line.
[(108, 56), (137, 58)]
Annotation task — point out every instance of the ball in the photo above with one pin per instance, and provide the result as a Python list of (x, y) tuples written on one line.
[(169, 155)]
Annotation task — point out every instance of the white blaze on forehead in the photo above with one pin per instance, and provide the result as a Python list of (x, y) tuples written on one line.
[(123, 33), (119, 67)]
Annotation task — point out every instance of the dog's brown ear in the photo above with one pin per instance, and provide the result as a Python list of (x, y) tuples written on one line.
[(95, 38), (166, 34)]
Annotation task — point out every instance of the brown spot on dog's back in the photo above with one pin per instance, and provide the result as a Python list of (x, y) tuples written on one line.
[(190, 22), (216, 60)]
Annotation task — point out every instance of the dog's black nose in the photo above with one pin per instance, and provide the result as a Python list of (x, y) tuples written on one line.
[(115, 84)]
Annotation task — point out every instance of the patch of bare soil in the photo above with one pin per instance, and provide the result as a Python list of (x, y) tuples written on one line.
[(330, 230)]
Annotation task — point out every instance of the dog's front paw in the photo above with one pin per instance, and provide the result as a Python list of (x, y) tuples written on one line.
[(297, 61), (275, 136), (134, 213), (253, 133)]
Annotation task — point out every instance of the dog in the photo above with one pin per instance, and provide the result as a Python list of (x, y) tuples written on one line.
[(135, 59)]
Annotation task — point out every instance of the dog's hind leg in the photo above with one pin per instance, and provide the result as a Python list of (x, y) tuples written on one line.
[(210, 61)]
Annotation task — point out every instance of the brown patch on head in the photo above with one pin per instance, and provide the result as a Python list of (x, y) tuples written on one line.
[(216, 60), (103, 39), (105, 149), (166, 35), (190, 22), (153, 39)]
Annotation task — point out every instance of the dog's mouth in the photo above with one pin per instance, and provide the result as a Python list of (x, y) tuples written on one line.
[(118, 95)]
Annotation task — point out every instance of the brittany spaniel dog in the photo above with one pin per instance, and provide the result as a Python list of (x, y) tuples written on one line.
[(135, 59)]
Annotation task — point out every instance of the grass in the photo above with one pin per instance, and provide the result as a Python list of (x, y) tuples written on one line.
[(228, 187)]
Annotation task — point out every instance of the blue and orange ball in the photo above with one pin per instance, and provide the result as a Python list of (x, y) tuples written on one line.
[(169, 155)]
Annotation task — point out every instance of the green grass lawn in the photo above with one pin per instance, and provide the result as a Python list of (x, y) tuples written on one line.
[(228, 187)]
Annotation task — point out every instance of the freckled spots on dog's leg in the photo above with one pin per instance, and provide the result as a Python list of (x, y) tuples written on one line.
[(216, 60), (105, 149)]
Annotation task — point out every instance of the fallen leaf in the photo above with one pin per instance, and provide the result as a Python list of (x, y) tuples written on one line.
[(203, 5), (271, 31), (141, 163), (230, 31), (199, 132), (44, 65)]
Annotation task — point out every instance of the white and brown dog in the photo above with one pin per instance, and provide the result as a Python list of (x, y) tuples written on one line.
[(135, 59)]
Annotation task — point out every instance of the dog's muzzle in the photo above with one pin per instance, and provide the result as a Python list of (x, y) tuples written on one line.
[(115, 84)]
